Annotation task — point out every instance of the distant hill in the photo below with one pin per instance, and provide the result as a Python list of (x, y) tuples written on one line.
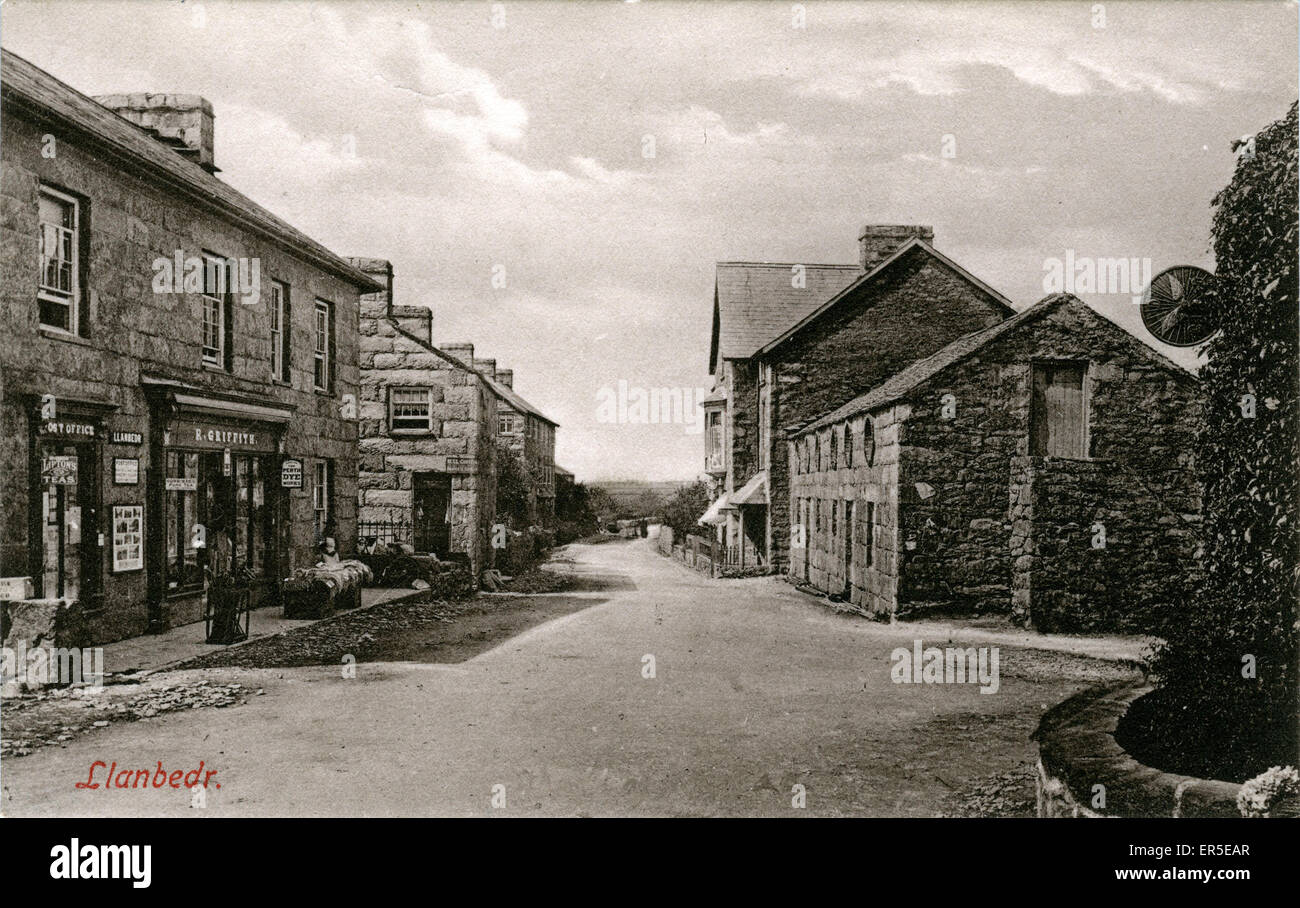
[(628, 492)]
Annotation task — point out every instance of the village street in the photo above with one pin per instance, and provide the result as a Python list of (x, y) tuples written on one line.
[(757, 689)]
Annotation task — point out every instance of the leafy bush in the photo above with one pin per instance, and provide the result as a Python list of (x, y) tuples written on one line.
[(1245, 615), (514, 487), (685, 507)]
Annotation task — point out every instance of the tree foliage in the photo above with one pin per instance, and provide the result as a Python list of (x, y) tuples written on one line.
[(1245, 615), (684, 507), (514, 485)]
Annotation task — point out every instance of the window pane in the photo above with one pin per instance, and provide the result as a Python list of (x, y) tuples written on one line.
[(243, 510), (258, 530)]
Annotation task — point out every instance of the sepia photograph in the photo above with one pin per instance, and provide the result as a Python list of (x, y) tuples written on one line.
[(670, 409)]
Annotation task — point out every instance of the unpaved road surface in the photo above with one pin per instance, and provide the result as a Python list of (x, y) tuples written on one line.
[(759, 699)]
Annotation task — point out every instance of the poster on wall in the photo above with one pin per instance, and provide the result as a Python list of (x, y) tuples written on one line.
[(59, 470), (126, 471), (128, 537)]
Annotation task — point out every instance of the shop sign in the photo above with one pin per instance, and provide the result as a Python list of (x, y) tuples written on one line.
[(221, 437), (68, 429), (59, 470), (182, 484), (128, 438), (291, 474)]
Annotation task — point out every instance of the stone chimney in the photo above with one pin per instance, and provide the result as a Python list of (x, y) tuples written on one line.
[(487, 366), (375, 305), (181, 122), (462, 352), (414, 320), (506, 377), (879, 241)]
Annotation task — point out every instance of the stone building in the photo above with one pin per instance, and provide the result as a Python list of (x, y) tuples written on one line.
[(178, 371), (792, 341), (428, 421), (1040, 467), (530, 435)]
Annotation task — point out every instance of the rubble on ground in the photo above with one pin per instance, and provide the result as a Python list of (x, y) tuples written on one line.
[(54, 716)]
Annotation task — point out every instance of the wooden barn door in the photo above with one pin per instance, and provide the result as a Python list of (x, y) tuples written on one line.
[(1058, 414)]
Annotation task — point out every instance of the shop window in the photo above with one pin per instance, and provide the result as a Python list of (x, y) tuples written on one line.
[(59, 290), (183, 567), (323, 347), (410, 410), (280, 331), (69, 566), (322, 497), (253, 525)]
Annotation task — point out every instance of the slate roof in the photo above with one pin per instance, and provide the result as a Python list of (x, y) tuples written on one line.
[(790, 330), (510, 396), (36, 93), (902, 383), (754, 301)]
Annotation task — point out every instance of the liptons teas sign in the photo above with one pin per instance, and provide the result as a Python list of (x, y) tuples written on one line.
[(220, 436)]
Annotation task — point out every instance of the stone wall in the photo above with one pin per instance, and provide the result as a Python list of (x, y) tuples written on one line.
[(396, 352), (869, 580), (129, 221), (955, 481), (1093, 549), (1083, 771), (907, 313), (963, 518)]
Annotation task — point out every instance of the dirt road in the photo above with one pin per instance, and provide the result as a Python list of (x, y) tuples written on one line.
[(667, 695)]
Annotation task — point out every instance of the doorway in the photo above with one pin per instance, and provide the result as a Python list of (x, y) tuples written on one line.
[(848, 548), (432, 516), (69, 529)]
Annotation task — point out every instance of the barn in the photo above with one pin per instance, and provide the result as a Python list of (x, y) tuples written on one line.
[(1039, 468)]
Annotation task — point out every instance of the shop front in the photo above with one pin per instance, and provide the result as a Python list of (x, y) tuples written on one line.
[(217, 500)]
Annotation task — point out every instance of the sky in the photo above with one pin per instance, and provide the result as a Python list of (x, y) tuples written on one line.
[(557, 181)]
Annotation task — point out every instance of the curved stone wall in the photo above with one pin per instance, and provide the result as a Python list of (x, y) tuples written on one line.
[(1082, 770)]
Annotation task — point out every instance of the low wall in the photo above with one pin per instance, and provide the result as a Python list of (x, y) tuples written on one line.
[(691, 551), (1083, 771)]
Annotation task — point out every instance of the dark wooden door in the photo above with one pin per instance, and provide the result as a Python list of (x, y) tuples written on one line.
[(848, 547), (432, 513)]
